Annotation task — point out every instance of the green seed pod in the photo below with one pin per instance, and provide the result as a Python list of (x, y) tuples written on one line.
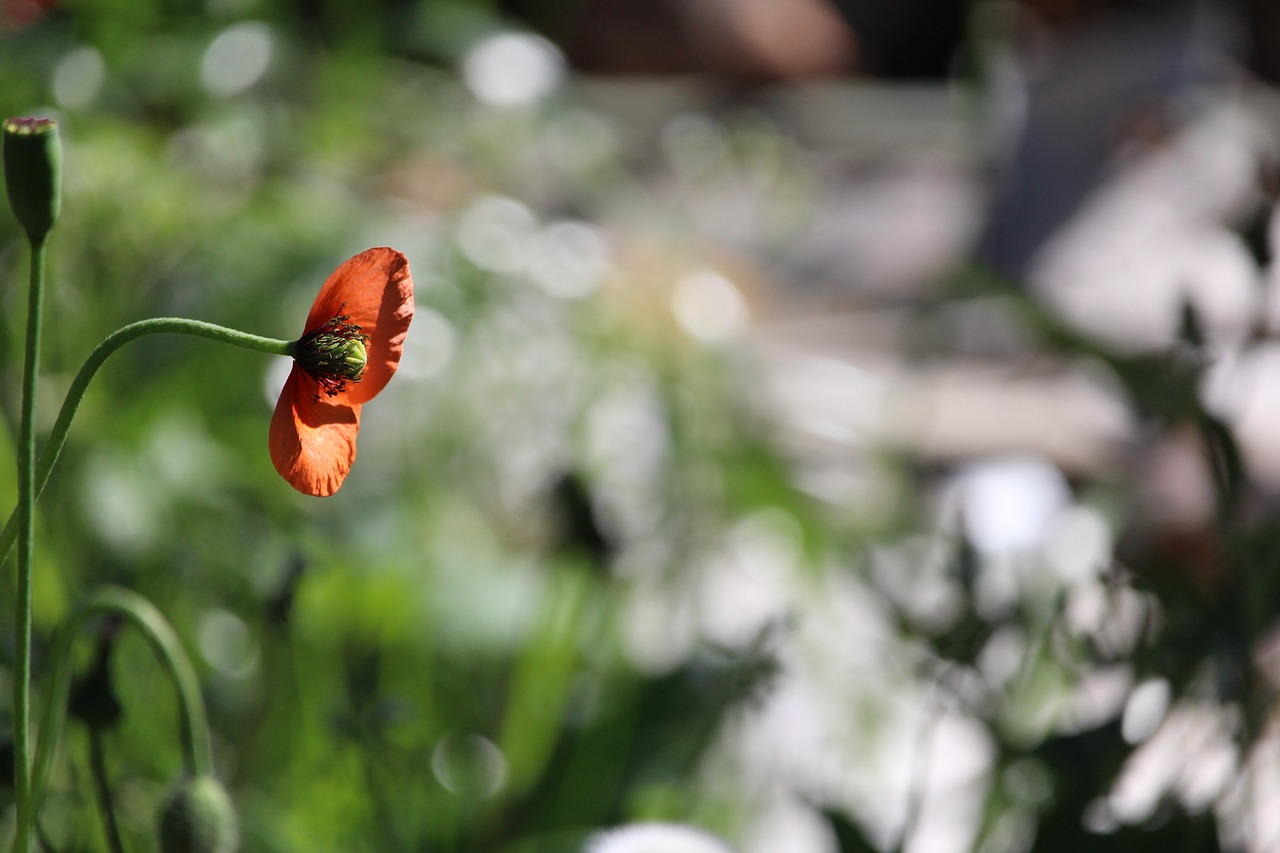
[(198, 817), (33, 173)]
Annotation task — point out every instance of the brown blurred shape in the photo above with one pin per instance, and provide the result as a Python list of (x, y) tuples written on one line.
[(745, 39)]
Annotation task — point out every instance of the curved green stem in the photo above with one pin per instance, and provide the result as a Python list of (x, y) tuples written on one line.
[(142, 614), (25, 514), (114, 341), (102, 786)]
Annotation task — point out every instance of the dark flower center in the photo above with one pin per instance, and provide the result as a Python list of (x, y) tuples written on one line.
[(334, 354)]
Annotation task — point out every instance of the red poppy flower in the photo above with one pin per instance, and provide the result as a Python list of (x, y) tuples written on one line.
[(349, 349)]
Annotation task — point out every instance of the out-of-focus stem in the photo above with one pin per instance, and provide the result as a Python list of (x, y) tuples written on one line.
[(192, 724), (25, 513)]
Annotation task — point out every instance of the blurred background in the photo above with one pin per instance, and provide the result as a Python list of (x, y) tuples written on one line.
[(837, 425)]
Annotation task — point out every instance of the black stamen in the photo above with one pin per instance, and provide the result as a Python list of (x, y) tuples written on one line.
[(324, 354)]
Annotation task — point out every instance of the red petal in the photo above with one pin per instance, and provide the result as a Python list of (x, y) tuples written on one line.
[(374, 289), (312, 443)]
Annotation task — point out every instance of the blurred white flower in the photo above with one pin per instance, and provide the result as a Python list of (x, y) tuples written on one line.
[(1156, 235), (655, 838)]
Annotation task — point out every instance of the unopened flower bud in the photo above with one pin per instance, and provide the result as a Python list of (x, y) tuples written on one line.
[(198, 817), (93, 696), (33, 173)]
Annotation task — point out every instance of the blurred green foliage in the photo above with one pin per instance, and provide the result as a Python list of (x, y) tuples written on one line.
[(489, 639), (429, 660)]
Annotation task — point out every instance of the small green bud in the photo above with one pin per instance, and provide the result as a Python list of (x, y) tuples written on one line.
[(33, 173), (198, 817)]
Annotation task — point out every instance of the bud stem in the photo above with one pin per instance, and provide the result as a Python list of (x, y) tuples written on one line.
[(193, 726), (33, 180), (31, 481), (102, 785), (25, 514)]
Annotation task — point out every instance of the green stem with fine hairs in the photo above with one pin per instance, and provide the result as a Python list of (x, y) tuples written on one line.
[(193, 726), (114, 341), (24, 516)]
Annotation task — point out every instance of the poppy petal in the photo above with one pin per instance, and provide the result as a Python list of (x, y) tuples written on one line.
[(374, 289), (312, 443)]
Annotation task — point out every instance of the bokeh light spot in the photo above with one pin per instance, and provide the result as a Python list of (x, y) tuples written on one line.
[(469, 765), (226, 643), (78, 78), (236, 59), (709, 307), (513, 69), (429, 347), (494, 233), (568, 260)]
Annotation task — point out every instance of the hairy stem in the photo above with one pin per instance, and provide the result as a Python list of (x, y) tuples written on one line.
[(114, 341)]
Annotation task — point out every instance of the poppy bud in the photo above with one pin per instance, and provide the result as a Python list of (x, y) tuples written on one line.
[(33, 173), (198, 817), (93, 696)]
